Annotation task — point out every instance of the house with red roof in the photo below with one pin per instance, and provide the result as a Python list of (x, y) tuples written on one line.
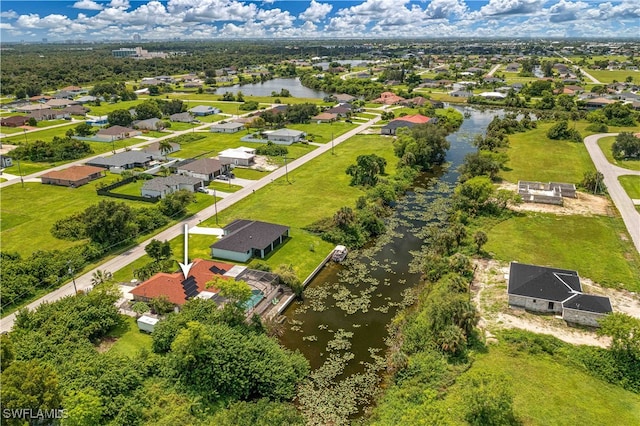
[(388, 98), (73, 176), (405, 121)]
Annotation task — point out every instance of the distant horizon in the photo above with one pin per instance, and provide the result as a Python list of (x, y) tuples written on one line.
[(105, 21)]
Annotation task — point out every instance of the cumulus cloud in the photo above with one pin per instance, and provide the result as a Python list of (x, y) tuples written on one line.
[(442, 9), (119, 4), (87, 5), (511, 7), (316, 11), (565, 11), (8, 14)]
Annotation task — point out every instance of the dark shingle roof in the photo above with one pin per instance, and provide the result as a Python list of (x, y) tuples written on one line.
[(243, 235), (588, 302), (542, 282), (121, 159)]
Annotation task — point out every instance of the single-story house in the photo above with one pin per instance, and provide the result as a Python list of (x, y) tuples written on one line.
[(76, 90), (48, 114), (325, 117), (202, 110), (5, 161), (123, 160), (231, 127), (115, 133), (492, 95), (598, 103), (285, 136), (149, 124), (461, 94), (513, 67), (204, 168), (59, 103), (14, 121), (86, 99), (406, 121), (76, 110), (343, 97), (31, 107), (244, 239), (547, 193), (153, 149), (181, 117), (388, 98), (178, 289), (340, 111), (241, 156), (73, 176), (165, 185), (552, 290), (100, 121)]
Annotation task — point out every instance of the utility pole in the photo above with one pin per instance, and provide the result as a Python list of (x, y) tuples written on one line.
[(73, 278), (215, 204), (20, 173), (286, 170), (332, 153)]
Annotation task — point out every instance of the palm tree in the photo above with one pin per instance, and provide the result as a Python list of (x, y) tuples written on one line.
[(101, 277), (165, 148)]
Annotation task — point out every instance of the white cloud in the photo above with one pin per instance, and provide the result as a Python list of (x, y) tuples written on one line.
[(87, 5), (275, 18), (9, 14), (511, 7), (316, 11), (564, 11), (119, 4), (5, 26), (442, 9), (212, 10), (629, 9)]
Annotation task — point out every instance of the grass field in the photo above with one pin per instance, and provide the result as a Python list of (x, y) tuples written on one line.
[(597, 247), (225, 187), (606, 76), (105, 107), (10, 130), (46, 134), (533, 156), (129, 340), (322, 133), (606, 145), (631, 184), (544, 388), (249, 173)]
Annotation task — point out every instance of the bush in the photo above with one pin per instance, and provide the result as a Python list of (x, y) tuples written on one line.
[(597, 128), (561, 131), (272, 149)]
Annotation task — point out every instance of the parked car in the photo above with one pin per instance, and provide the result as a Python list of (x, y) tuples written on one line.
[(222, 177), (202, 189)]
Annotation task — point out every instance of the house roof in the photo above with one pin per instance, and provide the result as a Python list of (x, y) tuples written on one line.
[(237, 153), (243, 235), (59, 102), (154, 148), (18, 120), (148, 122), (286, 132), (115, 130), (415, 119), (45, 113), (325, 116), (73, 173), (589, 302), (345, 97), (121, 159), (76, 109), (230, 125), (175, 286), (543, 282), (163, 182), (203, 108), (203, 166), (181, 116)]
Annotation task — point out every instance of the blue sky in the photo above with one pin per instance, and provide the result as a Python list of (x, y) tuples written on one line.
[(213, 19)]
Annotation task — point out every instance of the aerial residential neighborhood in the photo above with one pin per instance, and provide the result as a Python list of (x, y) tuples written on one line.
[(336, 220)]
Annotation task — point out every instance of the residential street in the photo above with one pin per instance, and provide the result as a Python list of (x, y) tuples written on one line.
[(623, 202), (586, 74), (119, 262)]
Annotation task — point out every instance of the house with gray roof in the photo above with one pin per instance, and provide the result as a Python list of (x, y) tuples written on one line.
[(204, 168), (231, 127), (552, 290), (165, 185), (285, 136), (202, 110), (149, 124), (115, 133), (181, 117), (244, 239), (123, 160), (154, 150)]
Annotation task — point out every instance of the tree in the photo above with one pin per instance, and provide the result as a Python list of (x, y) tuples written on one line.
[(158, 250), (480, 239), (148, 109), (120, 117), (475, 193), (140, 308), (29, 385), (366, 170), (624, 331), (619, 114), (287, 276), (110, 223), (593, 182), (561, 130), (32, 122), (482, 163), (488, 399), (161, 305), (626, 146), (84, 129), (422, 146), (6, 352), (236, 291), (101, 276), (83, 407), (175, 205), (259, 413)]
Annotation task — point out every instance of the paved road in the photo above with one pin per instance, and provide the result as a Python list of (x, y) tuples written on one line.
[(84, 281), (68, 123), (586, 74), (621, 199), (493, 70)]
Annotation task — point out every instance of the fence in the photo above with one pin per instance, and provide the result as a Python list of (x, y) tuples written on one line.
[(106, 191)]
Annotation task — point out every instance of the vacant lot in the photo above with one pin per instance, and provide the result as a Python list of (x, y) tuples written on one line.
[(598, 247), (533, 156), (631, 184), (555, 385), (606, 76)]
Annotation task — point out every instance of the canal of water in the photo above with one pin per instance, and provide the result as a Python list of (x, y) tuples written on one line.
[(293, 85), (362, 295)]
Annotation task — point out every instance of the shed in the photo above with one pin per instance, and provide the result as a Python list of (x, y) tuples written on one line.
[(146, 323)]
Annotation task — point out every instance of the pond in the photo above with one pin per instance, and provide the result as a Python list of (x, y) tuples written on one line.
[(362, 295), (293, 85)]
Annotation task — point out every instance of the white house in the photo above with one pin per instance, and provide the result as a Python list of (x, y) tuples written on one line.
[(231, 127), (241, 156), (285, 136)]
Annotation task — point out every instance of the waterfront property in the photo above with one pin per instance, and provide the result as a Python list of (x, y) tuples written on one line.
[(407, 121), (546, 193), (244, 239), (73, 176), (552, 290)]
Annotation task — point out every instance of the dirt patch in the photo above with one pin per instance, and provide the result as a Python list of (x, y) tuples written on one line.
[(489, 292), (585, 204), (106, 344), (263, 163)]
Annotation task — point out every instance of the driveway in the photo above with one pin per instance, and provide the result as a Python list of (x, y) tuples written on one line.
[(621, 199), (83, 282)]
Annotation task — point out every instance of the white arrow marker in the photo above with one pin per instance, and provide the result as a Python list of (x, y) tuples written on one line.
[(186, 266)]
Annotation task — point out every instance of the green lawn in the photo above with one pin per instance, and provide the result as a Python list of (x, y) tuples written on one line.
[(323, 132), (46, 134), (597, 247), (226, 187), (133, 188), (606, 145), (631, 184), (10, 130), (176, 126), (606, 76), (533, 156), (105, 107), (129, 340), (549, 392), (249, 173)]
